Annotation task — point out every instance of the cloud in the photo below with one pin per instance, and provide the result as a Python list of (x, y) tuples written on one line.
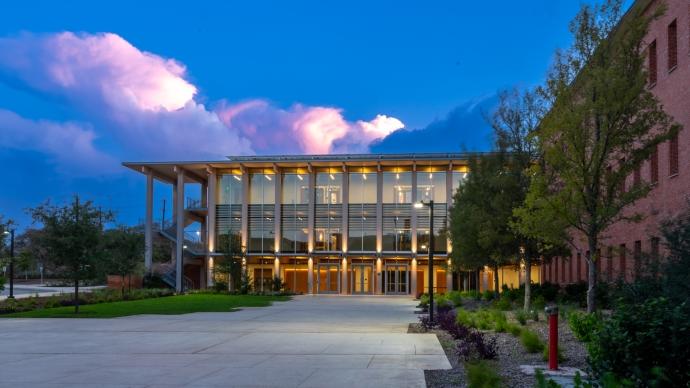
[(303, 129), (464, 128), (144, 107), (70, 144)]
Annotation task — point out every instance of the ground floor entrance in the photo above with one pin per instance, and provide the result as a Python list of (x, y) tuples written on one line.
[(397, 279), (362, 279), (328, 278)]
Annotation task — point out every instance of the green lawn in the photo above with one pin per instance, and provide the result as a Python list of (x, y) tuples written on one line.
[(179, 304)]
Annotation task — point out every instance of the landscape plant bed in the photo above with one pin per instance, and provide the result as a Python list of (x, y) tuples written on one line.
[(19, 305), (177, 304), (511, 353)]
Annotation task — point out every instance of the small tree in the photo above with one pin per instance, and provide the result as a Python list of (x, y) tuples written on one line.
[(124, 253), (603, 124), (231, 265), (73, 237)]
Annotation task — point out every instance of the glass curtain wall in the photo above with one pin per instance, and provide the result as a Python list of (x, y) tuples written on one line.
[(294, 208), (261, 211), (228, 208), (397, 206), (431, 185), (362, 210), (458, 177), (328, 208)]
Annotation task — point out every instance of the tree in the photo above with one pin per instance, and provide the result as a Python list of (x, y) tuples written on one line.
[(515, 122), (603, 123), (124, 253), (231, 265), (73, 237), (479, 219)]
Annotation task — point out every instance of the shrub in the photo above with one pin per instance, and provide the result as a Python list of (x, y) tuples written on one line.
[(576, 293), (476, 346), (488, 295), (515, 330), (584, 326), (503, 303), (443, 304), (548, 291), (538, 303), (220, 286), (472, 294), (521, 317), (512, 294), (426, 323), (465, 318), (531, 341), (455, 297), (647, 343), (535, 315), (2, 283), (424, 301), (482, 375)]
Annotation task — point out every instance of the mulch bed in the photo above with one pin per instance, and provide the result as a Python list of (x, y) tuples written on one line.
[(511, 354)]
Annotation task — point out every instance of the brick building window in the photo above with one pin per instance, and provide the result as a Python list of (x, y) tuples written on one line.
[(672, 45), (673, 155), (570, 268), (579, 266), (555, 270), (654, 243), (621, 187), (563, 261), (637, 176), (622, 263), (652, 63), (587, 256), (654, 165)]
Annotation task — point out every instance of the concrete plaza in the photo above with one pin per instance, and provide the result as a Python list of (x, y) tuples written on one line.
[(311, 341)]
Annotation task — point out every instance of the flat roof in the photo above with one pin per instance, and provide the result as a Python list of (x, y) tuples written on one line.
[(196, 171)]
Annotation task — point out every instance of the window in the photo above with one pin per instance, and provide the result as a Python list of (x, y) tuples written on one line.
[(655, 247), (228, 209), (397, 210), (570, 268), (294, 208), (362, 210), (654, 166), (579, 266), (328, 209), (673, 155), (431, 185), (621, 187), (637, 176), (652, 64), (261, 211), (672, 45), (563, 261)]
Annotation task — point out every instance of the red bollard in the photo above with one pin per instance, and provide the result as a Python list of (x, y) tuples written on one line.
[(552, 312)]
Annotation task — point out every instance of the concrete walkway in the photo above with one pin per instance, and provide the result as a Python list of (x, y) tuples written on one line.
[(311, 341), (24, 290)]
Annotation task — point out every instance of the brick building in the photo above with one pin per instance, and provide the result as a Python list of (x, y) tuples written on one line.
[(668, 42)]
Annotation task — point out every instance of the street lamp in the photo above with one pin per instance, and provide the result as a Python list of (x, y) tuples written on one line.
[(11, 234), (430, 205)]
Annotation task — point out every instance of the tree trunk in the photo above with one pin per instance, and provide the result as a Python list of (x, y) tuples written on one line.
[(528, 283), (592, 274), (496, 291), (76, 296)]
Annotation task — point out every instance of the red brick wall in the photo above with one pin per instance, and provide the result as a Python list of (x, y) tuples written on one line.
[(669, 196)]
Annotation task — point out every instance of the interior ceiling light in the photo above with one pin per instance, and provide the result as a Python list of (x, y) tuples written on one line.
[(300, 177), (237, 177), (268, 177)]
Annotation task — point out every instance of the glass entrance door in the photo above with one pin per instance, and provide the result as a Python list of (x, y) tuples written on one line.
[(397, 279), (362, 278), (328, 278)]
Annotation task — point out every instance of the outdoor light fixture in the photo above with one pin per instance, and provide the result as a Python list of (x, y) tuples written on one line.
[(430, 205), (11, 234), (184, 247)]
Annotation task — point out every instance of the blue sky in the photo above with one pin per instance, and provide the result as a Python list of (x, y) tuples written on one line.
[(250, 77)]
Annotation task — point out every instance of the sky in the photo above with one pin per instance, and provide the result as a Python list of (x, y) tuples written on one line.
[(86, 85)]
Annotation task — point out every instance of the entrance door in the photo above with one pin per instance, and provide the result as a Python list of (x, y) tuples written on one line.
[(362, 278), (328, 278), (397, 279)]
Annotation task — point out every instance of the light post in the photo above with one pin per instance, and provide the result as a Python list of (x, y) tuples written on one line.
[(430, 205), (11, 233)]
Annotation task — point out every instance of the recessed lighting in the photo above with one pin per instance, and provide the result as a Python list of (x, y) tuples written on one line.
[(332, 177), (237, 177), (300, 177), (268, 177)]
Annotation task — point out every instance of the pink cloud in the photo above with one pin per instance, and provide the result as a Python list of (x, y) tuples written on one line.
[(144, 105), (303, 129)]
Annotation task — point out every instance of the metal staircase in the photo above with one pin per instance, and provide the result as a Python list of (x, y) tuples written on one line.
[(168, 274), (193, 248)]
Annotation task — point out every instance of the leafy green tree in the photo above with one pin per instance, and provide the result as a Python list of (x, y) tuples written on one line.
[(603, 123), (73, 236), (479, 219), (124, 253), (231, 265)]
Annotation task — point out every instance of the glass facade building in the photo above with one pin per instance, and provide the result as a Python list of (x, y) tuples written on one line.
[(325, 224)]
